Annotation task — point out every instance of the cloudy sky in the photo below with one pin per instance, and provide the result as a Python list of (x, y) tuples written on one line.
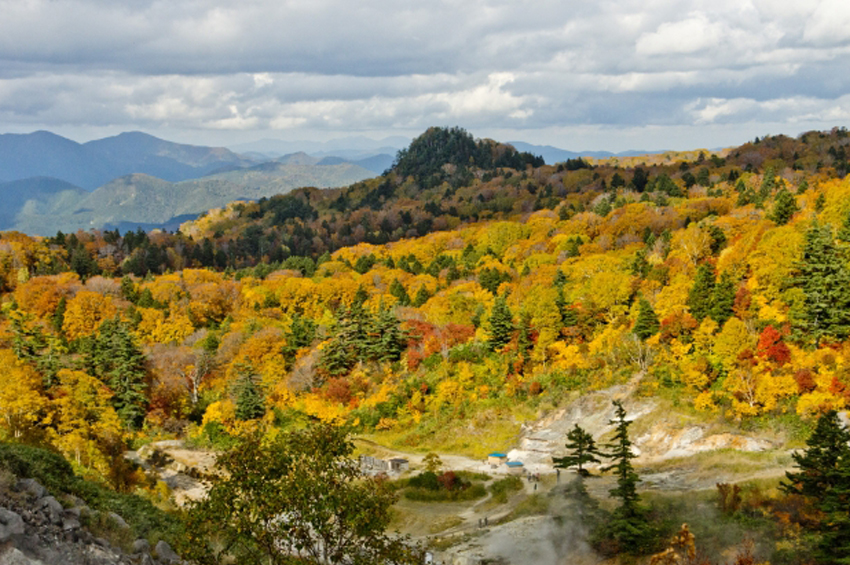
[(595, 74)]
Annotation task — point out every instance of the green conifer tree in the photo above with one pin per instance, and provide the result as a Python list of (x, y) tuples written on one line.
[(58, 318), (824, 479), (700, 295), (581, 450), (302, 332), (628, 527), (824, 278), (422, 296), (784, 207), (723, 299), (387, 341), (820, 203), (844, 233), (114, 357), (524, 342), (397, 290), (250, 403), (501, 324), (360, 297), (646, 324)]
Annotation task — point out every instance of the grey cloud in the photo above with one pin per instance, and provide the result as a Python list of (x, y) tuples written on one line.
[(373, 65)]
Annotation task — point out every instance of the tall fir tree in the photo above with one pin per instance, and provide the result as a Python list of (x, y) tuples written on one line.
[(581, 450), (844, 233), (628, 527), (824, 278), (302, 332), (524, 341), (387, 341), (824, 479), (113, 356), (700, 295), (422, 296), (250, 401), (723, 299), (646, 324), (397, 290), (784, 207), (501, 324)]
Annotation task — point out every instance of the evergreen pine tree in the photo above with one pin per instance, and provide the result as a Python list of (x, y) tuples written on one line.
[(360, 297), (524, 342), (387, 340), (58, 318), (699, 297), (825, 280), (723, 299), (740, 186), (302, 332), (844, 233), (250, 403), (397, 290), (784, 207), (128, 290), (640, 266), (422, 296), (628, 527), (560, 279), (501, 324), (113, 356), (646, 324), (582, 450), (767, 184), (820, 203), (573, 249), (569, 318), (824, 478)]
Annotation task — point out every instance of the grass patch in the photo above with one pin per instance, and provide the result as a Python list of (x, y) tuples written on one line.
[(503, 488), (473, 492), (472, 434), (445, 523), (533, 505), (711, 463)]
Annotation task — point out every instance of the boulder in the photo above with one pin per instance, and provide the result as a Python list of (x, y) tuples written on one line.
[(51, 507), (118, 520), (165, 554), (141, 545), (31, 487), (69, 524), (15, 557), (10, 524)]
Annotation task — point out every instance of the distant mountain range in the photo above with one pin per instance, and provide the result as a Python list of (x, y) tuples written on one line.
[(90, 165), (554, 155), (50, 183), (147, 201)]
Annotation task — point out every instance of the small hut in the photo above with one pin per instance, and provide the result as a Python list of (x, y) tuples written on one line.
[(398, 465), (515, 467), (496, 458)]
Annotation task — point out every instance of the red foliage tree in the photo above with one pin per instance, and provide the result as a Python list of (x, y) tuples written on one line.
[(679, 325), (771, 346)]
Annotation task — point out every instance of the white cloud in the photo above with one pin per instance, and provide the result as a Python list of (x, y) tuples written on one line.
[(390, 65)]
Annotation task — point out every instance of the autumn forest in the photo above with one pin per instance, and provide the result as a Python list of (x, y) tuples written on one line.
[(467, 290)]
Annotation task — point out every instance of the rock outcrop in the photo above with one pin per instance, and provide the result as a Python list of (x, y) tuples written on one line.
[(36, 529)]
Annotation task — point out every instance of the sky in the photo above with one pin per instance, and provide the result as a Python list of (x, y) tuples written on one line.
[(598, 74)]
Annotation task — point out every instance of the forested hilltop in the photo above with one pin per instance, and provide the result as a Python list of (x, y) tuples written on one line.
[(469, 288)]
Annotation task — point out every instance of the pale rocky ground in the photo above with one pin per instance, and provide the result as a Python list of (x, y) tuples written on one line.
[(669, 446)]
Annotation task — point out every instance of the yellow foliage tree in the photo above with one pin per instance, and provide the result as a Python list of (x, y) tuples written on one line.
[(85, 312)]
